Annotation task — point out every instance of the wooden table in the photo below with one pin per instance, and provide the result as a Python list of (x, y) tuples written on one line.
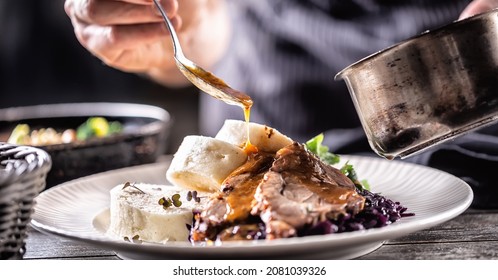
[(472, 235)]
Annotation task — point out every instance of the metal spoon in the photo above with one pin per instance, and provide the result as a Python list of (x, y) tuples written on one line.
[(204, 80)]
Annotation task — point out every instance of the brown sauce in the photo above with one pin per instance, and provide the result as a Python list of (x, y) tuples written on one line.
[(248, 147), (241, 185), (325, 181), (329, 192)]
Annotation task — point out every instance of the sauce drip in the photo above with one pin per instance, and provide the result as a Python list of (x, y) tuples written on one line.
[(248, 147)]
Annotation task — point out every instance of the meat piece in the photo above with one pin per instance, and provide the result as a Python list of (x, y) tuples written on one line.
[(301, 190), (284, 193), (232, 206)]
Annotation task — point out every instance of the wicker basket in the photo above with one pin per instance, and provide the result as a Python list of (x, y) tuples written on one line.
[(23, 171)]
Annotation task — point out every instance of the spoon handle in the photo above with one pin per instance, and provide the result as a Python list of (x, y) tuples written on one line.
[(176, 42)]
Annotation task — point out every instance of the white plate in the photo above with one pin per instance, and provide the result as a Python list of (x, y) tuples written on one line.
[(79, 210)]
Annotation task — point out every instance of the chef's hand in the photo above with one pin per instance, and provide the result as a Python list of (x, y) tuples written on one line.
[(131, 36), (478, 6)]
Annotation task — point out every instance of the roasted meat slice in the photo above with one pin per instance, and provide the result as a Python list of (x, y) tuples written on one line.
[(301, 190), (280, 194), (233, 206)]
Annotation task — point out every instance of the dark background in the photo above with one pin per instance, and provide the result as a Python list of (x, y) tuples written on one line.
[(41, 62)]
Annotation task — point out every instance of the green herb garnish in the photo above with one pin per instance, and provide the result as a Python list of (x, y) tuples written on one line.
[(167, 202), (132, 185), (193, 195), (315, 146), (350, 172), (176, 200), (135, 239)]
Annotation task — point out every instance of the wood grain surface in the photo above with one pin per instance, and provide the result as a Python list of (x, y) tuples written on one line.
[(472, 235)]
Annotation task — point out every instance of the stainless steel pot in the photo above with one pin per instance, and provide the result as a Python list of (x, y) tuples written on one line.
[(428, 89)]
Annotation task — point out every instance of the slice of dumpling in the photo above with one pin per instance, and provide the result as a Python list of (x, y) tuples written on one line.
[(136, 215), (265, 138), (202, 163)]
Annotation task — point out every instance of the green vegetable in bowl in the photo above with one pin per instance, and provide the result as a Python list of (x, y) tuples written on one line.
[(97, 127), (19, 134)]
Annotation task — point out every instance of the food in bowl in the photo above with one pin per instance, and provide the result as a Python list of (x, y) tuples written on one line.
[(92, 127), (143, 138), (286, 189)]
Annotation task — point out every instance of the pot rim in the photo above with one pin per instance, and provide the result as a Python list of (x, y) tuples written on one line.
[(424, 35)]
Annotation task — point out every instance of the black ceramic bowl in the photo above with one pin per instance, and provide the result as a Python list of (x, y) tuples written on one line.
[(142, 140)]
